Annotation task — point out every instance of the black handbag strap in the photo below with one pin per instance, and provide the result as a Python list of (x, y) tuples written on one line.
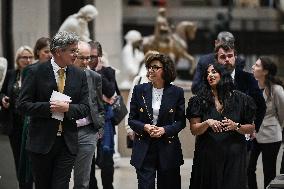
[(116, 88)]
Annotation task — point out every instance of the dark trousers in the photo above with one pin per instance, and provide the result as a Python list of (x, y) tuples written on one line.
[(269, 157), (146, 175), (105, 162), (53, 170), (282, 164), (15, 141)]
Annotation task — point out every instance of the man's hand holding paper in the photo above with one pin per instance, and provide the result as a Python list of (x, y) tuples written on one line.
[(59, 103)]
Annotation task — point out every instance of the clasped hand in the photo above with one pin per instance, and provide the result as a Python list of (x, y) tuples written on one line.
[(154, 131), (220, 126), (59, 106)]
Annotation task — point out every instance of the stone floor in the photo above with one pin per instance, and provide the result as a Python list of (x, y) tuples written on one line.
[(125, 176)]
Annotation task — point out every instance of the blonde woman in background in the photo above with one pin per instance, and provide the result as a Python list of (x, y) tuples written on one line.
[(13, 121)]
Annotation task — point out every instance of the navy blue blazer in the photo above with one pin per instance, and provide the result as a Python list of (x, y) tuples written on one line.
[(34, 98), (171, 117), (202, 64)]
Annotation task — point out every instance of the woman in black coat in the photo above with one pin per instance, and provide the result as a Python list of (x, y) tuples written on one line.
[(13, 121)]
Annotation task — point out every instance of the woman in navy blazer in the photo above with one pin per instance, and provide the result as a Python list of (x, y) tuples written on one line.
[(156, 116)]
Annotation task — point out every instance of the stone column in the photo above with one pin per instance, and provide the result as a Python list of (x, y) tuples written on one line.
[(30, 21), (1, 52), (108, 30), (108, 27)]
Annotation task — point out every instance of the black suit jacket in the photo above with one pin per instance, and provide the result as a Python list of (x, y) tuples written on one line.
[(202, 64), (37, 88), (7, 116), (246, 83), (171, 117)]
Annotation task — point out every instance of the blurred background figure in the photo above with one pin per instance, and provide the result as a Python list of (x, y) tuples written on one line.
[(139, 79), (78, 22), (13, 121), (42, 50), (132, 57), (3, 70), (269, 136)]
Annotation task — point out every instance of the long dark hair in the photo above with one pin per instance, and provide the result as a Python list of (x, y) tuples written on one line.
[(270, 78), (224, 87)]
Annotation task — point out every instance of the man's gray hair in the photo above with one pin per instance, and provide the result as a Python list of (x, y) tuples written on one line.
[(226, 37), (62, 40)]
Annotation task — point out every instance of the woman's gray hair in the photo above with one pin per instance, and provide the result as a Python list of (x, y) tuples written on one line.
[(62, 40)]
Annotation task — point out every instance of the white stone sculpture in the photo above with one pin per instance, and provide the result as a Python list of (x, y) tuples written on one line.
[(78, 22), (132, 56), (3, 70)]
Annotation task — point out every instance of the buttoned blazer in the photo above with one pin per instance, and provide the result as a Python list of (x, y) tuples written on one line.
[(171, 118), (95, 99), (34, 98)]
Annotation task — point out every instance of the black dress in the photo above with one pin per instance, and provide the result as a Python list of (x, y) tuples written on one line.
[(220, 158)]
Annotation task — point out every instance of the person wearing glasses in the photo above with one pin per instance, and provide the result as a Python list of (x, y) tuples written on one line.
[(157, 116), (13, 121), (52, 141), (105, 147), (91, 126)]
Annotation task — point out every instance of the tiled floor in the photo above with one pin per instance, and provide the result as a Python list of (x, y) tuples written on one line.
[(125, 176)]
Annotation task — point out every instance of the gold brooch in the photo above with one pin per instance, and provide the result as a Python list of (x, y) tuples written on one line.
[(141, 109)]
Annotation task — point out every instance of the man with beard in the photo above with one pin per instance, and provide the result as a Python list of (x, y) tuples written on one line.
[(225, 54)]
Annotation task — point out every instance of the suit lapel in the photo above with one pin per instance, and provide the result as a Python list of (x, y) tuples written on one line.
[(237, 79), (50, 75), (68, 80), (147, 100)]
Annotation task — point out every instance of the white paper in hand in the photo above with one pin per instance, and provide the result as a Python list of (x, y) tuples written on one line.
[(57, 96)]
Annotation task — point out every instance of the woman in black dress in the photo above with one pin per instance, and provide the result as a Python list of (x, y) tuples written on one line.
[(220, 117)]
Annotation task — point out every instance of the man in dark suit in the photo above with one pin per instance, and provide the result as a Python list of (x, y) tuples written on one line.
[(223, 37), (225, 54), (53, 144), (90, 127)]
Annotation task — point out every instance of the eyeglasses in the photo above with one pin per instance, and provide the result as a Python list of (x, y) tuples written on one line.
[(26, 57), (153, 68), (94, 58), (82, 58), (72, 51)]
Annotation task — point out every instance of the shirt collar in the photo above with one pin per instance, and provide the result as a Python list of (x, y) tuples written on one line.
[(55, 65), (233, 74)]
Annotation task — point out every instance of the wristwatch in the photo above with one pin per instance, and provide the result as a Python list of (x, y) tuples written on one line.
[(238, 126)]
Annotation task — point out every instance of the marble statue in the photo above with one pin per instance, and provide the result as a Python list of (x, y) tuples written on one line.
[(172, 43), (3, 70), (78, 22), (132, 57)]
